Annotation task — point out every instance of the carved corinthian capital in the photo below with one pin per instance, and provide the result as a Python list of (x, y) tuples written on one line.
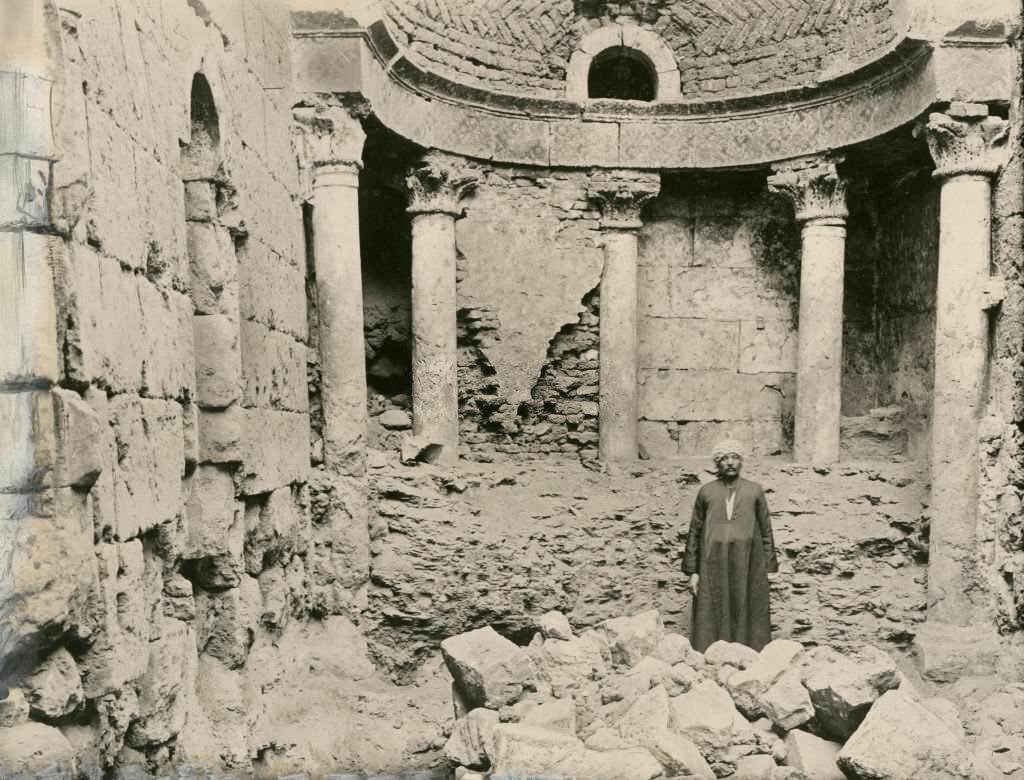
[(328, 143), (815, 188), (438, 184), (621, 195), (967, 145)]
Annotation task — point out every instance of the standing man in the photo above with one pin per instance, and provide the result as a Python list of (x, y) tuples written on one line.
[(729, 553)]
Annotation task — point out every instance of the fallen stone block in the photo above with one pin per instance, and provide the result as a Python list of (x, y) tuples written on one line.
[(555, 625), (900, 738), (395, 420), (842, 687), (632, 638), (490, 670), (471, 743), (707, 716), (54, 690), (555, 714), (676, 648), (787, 702), (677, 754), (749, 685), (531, 750), (813, 756), (419, 449), (721, 653), (35, 749), (758, 767), (568, 664), (649, 711), (14, 708)]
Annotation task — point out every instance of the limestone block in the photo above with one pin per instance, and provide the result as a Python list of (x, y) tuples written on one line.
[(200, 201), (707, 716), (113, 215), (120, 651), (813, 755), (79, 440), (55, 688), (684, 343), (731, 653), (652, 295), (567, 664), (739, 294), (218, 361), (605, 738), (14, 709), (902, 738), (714, 395), (722, 242), (190, 434), (272, 291), (649, 711), (631, 638), (656, 440), (29, 454), (626, 687), (681, 678), (212, 512), (759, 767), (274, 530), (472, 741), (555, 625), (843, 686), (749, 685), (634, 763), (675, 649), (273, 369), (677, 754), (162, 699), (786, 702), (767, 346), (221, 434), (555, 714), (32, 748), (395, 420), (584, 143), (28, 317), (275, 450), (489, 669), (164, 230), (150, 462), (213, 269), (226, 621)]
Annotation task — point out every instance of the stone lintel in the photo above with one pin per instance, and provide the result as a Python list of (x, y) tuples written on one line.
[(966, 142), (814, 186), (621, 194), (438, 183)]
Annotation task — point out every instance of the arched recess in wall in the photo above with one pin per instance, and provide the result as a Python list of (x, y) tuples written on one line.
[(622, 50)]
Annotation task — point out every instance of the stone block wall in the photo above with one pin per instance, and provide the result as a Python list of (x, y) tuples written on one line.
[(719, 264)]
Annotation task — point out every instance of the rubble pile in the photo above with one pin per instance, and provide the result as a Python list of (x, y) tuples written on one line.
[(628, 700)]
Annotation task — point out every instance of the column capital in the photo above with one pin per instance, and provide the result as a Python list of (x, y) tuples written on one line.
[(438, 183), (621, 194), (966, 142), (813, 185), (328, 140)]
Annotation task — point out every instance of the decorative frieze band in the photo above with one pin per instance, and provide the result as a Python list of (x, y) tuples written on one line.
[(621, 195), (438, 184), (966, 140), (814, 186)]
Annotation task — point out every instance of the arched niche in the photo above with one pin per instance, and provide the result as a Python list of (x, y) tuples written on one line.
[(200, 157), (629, 46)]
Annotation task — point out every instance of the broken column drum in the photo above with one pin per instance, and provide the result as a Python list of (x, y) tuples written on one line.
[(436, 190), (967, 149), (818, 195), (621, 195)]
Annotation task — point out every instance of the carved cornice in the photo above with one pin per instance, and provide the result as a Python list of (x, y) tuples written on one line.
[(974, 144), (813, 185), (438, 184), (621, 195)]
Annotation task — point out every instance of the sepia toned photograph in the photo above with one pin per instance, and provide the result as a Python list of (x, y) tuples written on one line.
[(511, 389)]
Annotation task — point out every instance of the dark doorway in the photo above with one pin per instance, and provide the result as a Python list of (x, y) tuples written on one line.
[(622, 74)]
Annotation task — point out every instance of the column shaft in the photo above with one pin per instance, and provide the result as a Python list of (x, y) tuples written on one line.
[(618, 333), (961, 354), (820, 338), (434, 354), (340, 306)]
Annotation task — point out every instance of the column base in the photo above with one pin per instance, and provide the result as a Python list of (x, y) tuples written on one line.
[(947, 652)]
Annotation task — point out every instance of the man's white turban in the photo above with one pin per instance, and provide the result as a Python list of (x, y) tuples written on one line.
[(726, 447)]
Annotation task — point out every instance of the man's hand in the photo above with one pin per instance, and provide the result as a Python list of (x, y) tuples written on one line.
[(694, 582)]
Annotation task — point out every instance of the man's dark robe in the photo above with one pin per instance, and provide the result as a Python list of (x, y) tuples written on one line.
[(733, 558)]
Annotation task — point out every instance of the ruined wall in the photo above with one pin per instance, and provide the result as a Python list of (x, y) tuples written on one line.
[(719, 265)]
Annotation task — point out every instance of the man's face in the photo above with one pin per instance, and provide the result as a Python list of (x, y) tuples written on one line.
[(729, 465)]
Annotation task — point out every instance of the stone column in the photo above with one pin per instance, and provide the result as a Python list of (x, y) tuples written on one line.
[(436, 189), (332, 145), (818, 194), (621, 195), (968, 147)]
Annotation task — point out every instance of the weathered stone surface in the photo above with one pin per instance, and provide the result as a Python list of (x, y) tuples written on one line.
[(707, 716), (278, 528), (556, 714), (721, 653), (566, 663), (813, 755), (226, 620), (221, 434), (843, 686), (619, 691), (28, 346), (472, 741), (218, 361), (749, 685), (489, 669), (28, 420), (34, 748), (150, 463), (55, 688), (395, 420), (555, 625), (631, 638), (162, 698), (79, 438), (212, 512), (758, 767), (901, 738), (649, 711), (273, 369), (677, 754), (675, 649), (275, 450), (787, 702), (14, 708)]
